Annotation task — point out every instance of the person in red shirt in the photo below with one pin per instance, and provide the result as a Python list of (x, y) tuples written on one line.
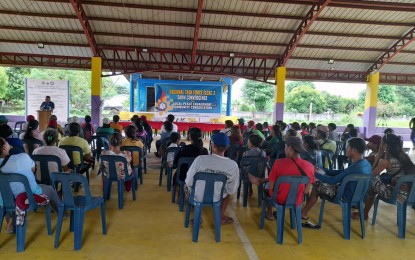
[(288, 166)]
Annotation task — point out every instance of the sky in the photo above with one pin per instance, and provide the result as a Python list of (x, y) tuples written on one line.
[(349, 90)]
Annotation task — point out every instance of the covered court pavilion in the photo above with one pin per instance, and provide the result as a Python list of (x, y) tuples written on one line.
[(338, 40)]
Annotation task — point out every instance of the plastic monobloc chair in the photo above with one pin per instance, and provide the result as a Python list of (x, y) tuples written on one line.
[(290, 203), (361, 184), (180, 184), (210, 180), (409, 180), (165, 167), (72, 152), (77, 204), (9, 206), (138, 170), (44, 161), (256, 166), (112, 161), (326, 157)]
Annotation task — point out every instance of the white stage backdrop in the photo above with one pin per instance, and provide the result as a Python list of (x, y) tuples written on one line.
[(38, 89)]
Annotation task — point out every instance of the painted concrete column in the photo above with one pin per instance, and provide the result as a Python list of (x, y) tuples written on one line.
[(96, 88), (369, 116), (279, 95), (133, 84), (228, 82)]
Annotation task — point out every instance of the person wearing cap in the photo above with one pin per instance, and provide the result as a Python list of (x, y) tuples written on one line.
[(52, 124), (105, 130), (289, 166), (47, 104), (3, 120), (323, 142), (242, 126), (219, 164), (251, 126), (114, 124), (330, 181), (59, 127), (373, 145), (332, 135)]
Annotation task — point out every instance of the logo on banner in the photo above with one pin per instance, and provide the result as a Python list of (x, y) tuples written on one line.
[(162, 104)]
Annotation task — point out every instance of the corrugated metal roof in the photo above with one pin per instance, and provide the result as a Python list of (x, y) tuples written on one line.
[(247, 28)]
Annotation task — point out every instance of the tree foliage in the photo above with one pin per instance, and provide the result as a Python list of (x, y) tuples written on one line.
[(299, 100), (290, 86), (4, 82), (261, 95), (14, 90)]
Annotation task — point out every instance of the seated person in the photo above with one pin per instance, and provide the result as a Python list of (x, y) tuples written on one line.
[(254, 145), (74, 140), (53, 124), (330, 181), (35, 133), (332, 135), (141, 133), (131, 140), (392, 159), (273, 140), (50, 137), (115, 149), (304, 129), (311, 148), (169, 118), (289, 166), (228, 125), (59, 127), (164, 138), (235, 137), (219, 164), (24, 165), (114, 124), (105, 130), (258, 131), (373, 145), (242, 126), (174, 142), (88, 129), (323, 142), (7, 133), (30, 142)]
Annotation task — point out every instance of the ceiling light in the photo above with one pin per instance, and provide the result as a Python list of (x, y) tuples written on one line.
[(40, 45), (331, 61), (232, 54), (145, 50)]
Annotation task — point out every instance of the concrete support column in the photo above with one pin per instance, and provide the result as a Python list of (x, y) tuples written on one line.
[(96, 89), (279, 95), (228, 82), (371, 101)]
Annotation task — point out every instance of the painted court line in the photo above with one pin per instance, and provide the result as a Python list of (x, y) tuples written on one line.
[(242, 235)]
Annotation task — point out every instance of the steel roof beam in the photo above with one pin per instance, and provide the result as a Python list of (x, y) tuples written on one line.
[(80, 13), (395, 49), (196, 31), (272, 16), (302, 29), (356, 4)]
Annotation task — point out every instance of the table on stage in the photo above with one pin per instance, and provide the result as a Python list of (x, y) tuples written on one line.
[(183, 126)]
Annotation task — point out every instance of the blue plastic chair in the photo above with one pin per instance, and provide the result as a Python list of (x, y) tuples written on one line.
[(73, 151), (144, 154), (327, 156), (29, 145), (409, 180), (295, 212), (166, 168), (138, 170), (18, 127), (77, 204), (209, 179), (9, 206), (256, 166), (361, 183), (319, 160), (44, 166), (112, 160), (182, 162)]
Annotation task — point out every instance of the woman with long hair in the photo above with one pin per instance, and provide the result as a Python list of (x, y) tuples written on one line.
[(311, 148), (30, 139), (115, 149), (132, 140), (397, 163), (235, 137)]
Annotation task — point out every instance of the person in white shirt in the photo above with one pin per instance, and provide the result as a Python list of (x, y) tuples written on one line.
[(216, 163), (174, 142), (228, 126), (170, 118)]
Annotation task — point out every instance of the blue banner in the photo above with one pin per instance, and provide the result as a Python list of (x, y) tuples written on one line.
[(188, 98)]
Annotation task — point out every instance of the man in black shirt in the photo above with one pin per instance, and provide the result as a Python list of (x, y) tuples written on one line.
[(47, 104)]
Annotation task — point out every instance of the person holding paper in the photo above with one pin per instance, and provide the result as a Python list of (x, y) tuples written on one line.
[(47, 104)]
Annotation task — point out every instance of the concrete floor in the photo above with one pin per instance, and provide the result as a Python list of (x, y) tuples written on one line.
[(152, 227)]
